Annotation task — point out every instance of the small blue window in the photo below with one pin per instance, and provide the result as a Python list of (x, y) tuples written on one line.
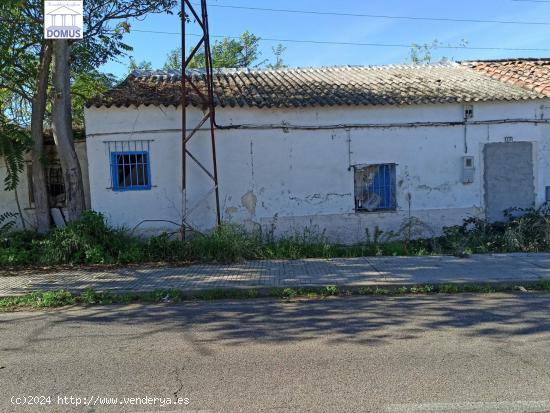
[(130, 171), (375, 188)]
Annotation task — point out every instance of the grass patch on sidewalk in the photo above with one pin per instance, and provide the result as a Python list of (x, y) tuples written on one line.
[(62, 298)]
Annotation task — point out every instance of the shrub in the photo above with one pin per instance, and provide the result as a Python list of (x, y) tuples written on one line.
[(7, 222), (523, 231), (88, 240), (162, 248), (226, 244)]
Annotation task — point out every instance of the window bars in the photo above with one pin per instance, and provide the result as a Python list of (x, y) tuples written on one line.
[(375, 187), (55, 185), (130, 165)]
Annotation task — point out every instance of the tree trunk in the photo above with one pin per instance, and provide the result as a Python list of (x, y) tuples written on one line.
[(39, 184), (63, 131)]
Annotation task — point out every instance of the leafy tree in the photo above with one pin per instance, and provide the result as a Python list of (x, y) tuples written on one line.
[(14, 142), (143, 65), (235, 53), (250, 52), (173, 60), (25, 73), (85, 86), (423, 53), (278, 51)]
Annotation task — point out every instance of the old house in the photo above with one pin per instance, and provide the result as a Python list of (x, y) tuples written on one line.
[(337, 150)]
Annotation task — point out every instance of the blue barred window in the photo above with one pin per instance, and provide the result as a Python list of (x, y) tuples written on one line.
[(375, 187), (130, 171)]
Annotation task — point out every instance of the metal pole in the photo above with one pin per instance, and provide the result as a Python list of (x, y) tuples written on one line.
[(183, 124), (205, 100), (211, 108)]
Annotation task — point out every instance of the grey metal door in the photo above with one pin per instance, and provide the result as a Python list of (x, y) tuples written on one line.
[(509, 180)]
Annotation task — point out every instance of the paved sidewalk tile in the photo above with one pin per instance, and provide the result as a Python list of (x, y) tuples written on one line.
[(293, 273)]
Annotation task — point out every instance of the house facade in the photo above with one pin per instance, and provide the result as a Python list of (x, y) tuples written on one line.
[(344, 151), (339, 151)]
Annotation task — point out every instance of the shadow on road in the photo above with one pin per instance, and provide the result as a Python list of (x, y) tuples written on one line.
[(364, 320)]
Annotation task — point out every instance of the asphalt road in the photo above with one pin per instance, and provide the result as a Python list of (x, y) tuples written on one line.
[(456, 353)]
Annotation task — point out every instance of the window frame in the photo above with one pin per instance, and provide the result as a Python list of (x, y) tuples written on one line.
[(393, 187), (114, 171), (55, 165)]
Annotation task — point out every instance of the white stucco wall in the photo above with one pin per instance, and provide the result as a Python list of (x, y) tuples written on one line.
[(289, 180)]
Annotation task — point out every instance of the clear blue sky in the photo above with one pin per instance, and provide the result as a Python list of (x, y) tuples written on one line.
[(232, 22)]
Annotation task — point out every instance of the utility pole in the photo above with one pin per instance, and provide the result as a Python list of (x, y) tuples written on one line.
[(202, 86)]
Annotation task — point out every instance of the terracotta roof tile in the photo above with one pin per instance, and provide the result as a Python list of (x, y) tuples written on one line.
[(333, 86), (531, 74)]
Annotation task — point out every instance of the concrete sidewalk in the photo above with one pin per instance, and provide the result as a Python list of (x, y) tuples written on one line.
[(350, 272)]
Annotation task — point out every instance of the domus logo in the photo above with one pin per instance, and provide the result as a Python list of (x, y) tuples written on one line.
[(63, 19)]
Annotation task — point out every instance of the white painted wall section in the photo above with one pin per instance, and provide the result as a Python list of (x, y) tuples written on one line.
[(288, 180)]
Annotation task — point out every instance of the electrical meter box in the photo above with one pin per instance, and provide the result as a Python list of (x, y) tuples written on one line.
[(468, 169)]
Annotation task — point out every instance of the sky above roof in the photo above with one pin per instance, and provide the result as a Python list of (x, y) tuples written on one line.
[(354, 29)]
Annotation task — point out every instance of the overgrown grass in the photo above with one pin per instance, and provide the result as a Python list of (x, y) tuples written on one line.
[(61, 298), (91, 240)]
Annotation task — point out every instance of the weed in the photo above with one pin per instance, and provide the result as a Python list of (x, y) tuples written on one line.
[(543, 285), (365, 291), (90, 240), (448, 288), (220, 293), (289, 293), (89, 297), (40, 300), (329, 290)]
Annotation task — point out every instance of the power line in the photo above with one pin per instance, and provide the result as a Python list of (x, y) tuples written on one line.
[(326, 42), (385, 16)]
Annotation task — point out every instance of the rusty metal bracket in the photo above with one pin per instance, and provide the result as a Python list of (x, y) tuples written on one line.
[(205, 100)]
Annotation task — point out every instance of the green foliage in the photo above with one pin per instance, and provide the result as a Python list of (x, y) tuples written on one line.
[(144, 65), (243, 52), (278, 52), (542, 285), (7, 223), (234, 53), (226, 244), (173, 296), (18, 248), (90, 240), (163, 248), (448, 288), (173, 60), (39, 300), (223, 293), (329, 290), (22, 40), (289, 293), (14, 143), (84, 86), (524, 231), (423, 53)]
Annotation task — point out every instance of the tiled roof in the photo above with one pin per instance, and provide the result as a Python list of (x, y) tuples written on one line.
[(530, 74), (330, 86)]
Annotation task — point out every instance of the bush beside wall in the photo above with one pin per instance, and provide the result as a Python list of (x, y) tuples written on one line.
[(90, 240)]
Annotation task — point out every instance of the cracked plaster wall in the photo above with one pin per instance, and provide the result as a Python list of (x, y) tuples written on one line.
[(297, 179)]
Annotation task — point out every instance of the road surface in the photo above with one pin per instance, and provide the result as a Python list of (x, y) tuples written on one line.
[(439, 353)]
